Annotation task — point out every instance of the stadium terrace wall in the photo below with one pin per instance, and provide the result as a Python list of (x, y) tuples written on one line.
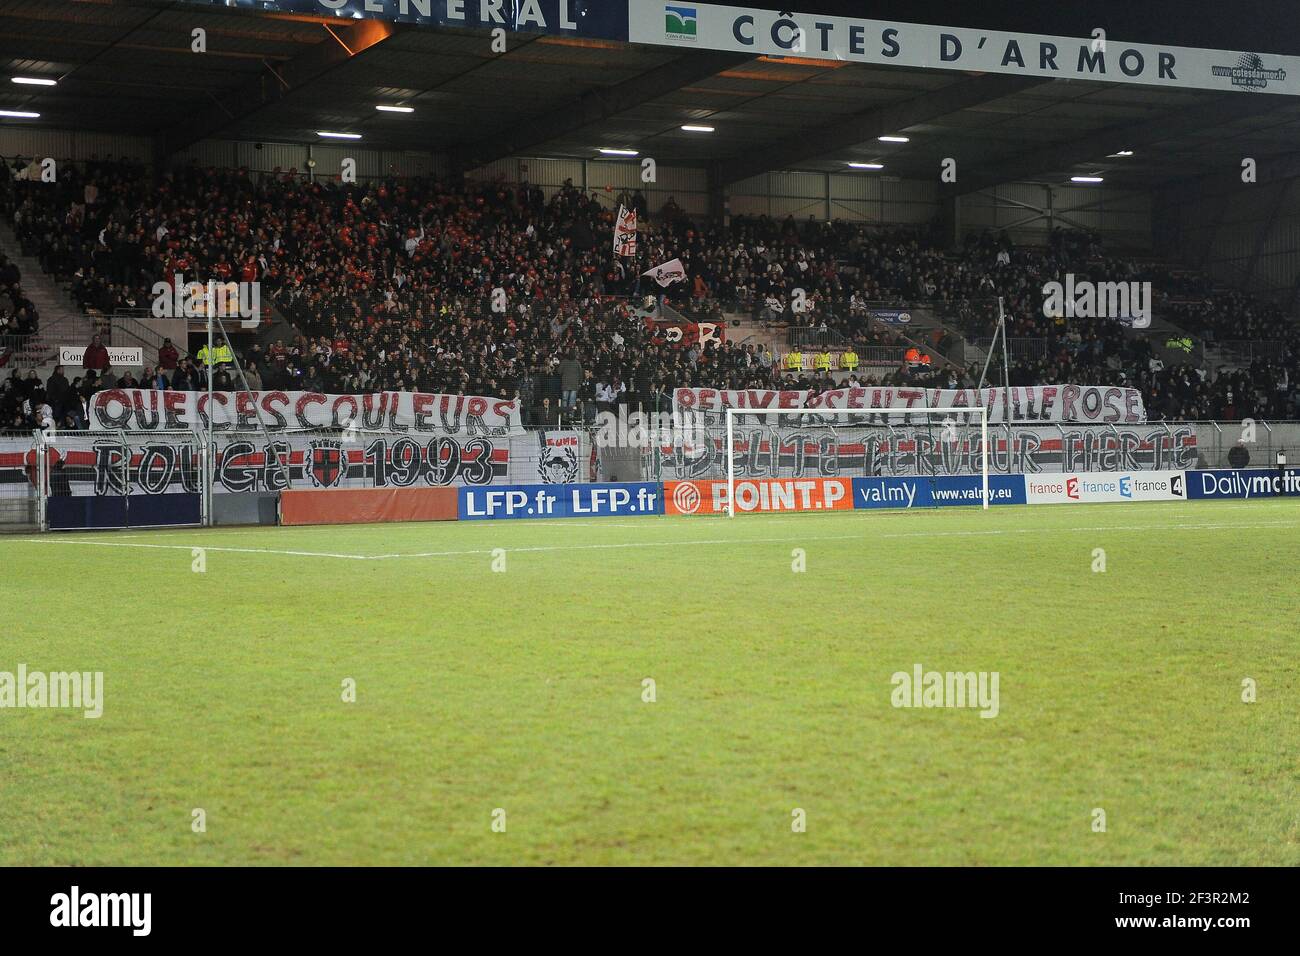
[(1249, 238)]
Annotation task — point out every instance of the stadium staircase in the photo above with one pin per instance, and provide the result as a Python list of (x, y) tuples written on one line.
[(61, 323)]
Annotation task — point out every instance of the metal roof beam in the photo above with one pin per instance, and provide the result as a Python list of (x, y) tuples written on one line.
[(596, 106), (983, 173), (820, 142), (276, 84)]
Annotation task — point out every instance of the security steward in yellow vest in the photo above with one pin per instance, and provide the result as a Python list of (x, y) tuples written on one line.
[(794, 361), (221, 355), (849, 360)]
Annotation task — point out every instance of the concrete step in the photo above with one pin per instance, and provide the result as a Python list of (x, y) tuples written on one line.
[(61, 322)]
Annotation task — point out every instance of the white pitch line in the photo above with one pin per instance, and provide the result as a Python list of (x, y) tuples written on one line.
[(1107, 527), (192, 547), (664, 544)]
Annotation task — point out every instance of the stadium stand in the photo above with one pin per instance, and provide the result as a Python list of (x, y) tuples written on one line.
[(390, 284)]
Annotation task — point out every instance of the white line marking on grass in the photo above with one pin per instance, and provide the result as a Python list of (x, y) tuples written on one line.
[(1105, 527), (190, 547), (622, 545)]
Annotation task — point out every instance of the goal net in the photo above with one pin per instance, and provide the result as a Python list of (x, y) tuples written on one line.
[(923, 445)]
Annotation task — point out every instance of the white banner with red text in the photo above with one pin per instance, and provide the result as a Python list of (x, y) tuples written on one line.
[(1037, 403), (134, 409)]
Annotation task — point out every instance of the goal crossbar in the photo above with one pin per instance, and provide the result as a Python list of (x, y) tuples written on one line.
[(731, 413)]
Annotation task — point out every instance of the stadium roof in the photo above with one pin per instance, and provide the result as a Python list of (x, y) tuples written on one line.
[(126, 66)]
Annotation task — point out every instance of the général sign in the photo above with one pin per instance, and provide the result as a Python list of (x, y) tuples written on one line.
[(560, 501)]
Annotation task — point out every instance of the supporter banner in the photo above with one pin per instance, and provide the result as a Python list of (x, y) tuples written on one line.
[(899, 43), (666, 273), (1037, 403), (560, 454), (142, 410), (585, 18), (1098, 486), (561, 501), (625, 233), (890, 316), (941, 491), (84, 465), (75, 354), (776, 450), (1243, 483), (680, 335), (762, 494)]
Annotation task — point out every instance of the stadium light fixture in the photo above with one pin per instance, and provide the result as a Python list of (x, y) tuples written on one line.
[(34, 81), (20, 114), (329, 135), (618, 152), (698, 129), (395, 109), (893, 139), (866, 165), (1086, 179)]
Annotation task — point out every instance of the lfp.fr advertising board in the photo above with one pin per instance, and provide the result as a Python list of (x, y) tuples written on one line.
[(611, 499)]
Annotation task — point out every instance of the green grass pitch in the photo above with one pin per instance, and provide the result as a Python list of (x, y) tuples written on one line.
[(522, 690)]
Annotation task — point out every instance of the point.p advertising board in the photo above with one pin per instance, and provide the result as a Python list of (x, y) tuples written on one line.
[(770, 495)]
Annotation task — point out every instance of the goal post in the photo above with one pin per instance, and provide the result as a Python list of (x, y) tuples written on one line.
[(833, 414)]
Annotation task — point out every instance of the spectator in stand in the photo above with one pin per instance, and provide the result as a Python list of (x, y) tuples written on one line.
[(184, 379), (57, 392), (96, 356), (570, 380), (167, 356), (546, 415)]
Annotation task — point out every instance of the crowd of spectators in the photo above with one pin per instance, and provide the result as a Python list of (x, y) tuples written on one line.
[(394, 285), (18, 314)]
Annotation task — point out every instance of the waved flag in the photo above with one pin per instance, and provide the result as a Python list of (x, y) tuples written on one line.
[(667, 273), (625, 233)]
